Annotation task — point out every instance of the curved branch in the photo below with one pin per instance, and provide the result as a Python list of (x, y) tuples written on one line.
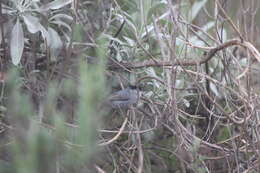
[(206, 58)]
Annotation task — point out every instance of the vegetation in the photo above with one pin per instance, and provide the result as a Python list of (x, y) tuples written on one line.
[(196, 61)]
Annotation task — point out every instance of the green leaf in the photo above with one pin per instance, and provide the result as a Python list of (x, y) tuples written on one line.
[(195, 40), (32, 23), (54, 42), (156, 9), (54, 5), (61, 16), (196, 7), (17, 43), (223, 134), (62, 20), (61, 23)]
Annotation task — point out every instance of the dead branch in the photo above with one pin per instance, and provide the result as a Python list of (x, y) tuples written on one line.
[(194, 62)]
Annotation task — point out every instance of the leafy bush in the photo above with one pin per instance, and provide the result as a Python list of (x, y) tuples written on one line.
[(196, 62)]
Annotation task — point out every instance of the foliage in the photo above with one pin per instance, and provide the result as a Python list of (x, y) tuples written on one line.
[(199, 109), (32, 14)]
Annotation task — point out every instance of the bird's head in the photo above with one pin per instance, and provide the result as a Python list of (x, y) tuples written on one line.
[(133, 87)]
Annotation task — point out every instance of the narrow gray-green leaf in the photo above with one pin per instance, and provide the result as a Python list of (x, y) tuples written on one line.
[(33, 25), (61, 16), (61, 23), (17, 43), (54, 42), (54, 5)]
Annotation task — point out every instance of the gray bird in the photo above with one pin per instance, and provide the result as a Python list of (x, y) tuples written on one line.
[(124, 98)]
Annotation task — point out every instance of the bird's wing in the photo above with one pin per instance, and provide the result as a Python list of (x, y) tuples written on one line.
[(122, 95)]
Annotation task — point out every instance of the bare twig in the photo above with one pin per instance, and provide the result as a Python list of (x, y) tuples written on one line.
[(117, 135)]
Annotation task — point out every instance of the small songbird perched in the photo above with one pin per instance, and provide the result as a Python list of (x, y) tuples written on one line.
[(124, 98)]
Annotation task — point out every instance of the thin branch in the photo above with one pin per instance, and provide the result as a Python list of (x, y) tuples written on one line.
[(209, 55), (117, 135)]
